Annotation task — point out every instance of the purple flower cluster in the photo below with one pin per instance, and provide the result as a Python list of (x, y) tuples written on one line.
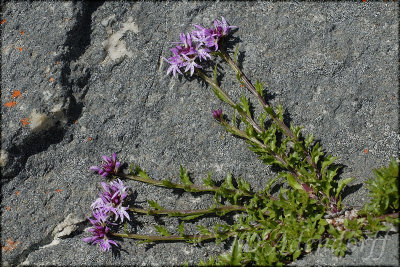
[(195, 47), (217, 114), (109, 205), (110, 165)]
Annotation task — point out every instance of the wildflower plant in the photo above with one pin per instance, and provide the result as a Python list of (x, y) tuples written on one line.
[(272, 228)]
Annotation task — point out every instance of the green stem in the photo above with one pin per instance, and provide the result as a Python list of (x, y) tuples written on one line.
[(264, 104), (197, 238), (241, 133), (182, 213), (153, 238), (191, 188), (228, 99)]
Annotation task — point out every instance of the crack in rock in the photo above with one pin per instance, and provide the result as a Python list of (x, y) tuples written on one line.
[(64, 229)]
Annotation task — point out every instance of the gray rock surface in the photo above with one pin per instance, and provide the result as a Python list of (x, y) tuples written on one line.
[(93, 82)]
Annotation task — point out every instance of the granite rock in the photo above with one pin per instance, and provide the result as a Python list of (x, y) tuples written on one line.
[(92, 81)]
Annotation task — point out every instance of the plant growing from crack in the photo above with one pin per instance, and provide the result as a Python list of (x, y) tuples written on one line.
[(271, 228)]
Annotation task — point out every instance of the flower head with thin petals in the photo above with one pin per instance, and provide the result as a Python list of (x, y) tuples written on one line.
[(109, 166), (100, 235), (194, 47), (108, 205), (112, 199)]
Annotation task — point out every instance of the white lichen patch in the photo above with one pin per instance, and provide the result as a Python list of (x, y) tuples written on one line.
[(115, 47), (3, 158), (65, 228), (39, 121), (58, 114)]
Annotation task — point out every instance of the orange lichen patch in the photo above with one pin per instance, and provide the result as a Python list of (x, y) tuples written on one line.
[(365, 151), (51, 79), (19, 48), (89, 139), (241, 85), (10, 104), (3, 21), (25, 121), (10, 245), (17, 193), (8, 208), (59, 190), (22, 32), (16, 93)]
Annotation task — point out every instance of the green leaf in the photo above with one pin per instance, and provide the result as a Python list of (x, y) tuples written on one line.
[(296, 254), (234, 119), (167, 183), (270, 111), (327, 161), (236, 255), (243, 185), (259, 88), (228, 182), (208, 181), (261, 119), (279, 112), (220, 96), (245, 104), (184, 176), (161, 230), (131, 168), (181, 228), (309, 139), (292, 181), (126, 228), (316, 153), (341, 184), (215, 74), (190, 217), (141, 173), (155, 205), (203, 230)]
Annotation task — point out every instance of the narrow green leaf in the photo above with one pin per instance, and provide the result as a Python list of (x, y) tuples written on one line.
[(341, 184), (292, 181), (167, 183), (228, 182), (327, 161), (141, 173), (236, 254), (184, 176), (190, 217), (309, 139), (203, 230), (245, 104), (259, 88), (155, 205), (181, 228), (270, 111), (161, 230), (215, 74), (220, 96), (208, 181)]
